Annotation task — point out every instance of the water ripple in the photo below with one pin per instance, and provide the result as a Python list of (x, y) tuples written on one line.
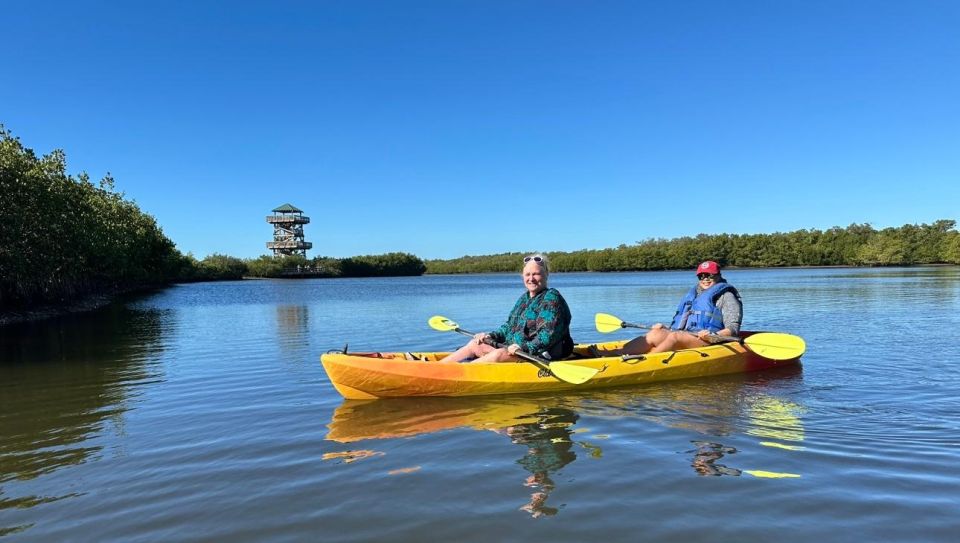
[(202, 413)]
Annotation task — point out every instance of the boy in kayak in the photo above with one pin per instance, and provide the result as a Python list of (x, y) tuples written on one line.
[(539, 323), (711, 307)]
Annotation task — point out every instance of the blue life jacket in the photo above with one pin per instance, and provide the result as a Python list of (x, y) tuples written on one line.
[(701, 312)]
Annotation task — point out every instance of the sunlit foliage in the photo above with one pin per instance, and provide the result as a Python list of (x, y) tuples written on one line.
[(855, 245), (62, 236), (390, 264)]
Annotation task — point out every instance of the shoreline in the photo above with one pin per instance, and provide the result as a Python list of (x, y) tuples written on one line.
[(725, 268), (84, 304), (49, 311), (98, 300)]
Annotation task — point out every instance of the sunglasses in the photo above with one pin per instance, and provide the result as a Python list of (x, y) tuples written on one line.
[(702, 276), (533, 258)]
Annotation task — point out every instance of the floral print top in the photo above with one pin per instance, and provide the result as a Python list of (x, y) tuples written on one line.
[(538, 324)]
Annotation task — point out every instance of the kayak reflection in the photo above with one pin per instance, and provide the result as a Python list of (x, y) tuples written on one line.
[(406, 417), (775, 420), (715, 411), (732, 408), (539, 424)]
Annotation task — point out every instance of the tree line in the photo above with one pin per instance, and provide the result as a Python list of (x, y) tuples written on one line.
[(219, 266), (63, 238), (855, 245)]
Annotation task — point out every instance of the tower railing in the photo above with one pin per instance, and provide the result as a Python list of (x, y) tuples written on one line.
[(296, 219)]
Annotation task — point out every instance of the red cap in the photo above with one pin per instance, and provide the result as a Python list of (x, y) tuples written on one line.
[(708, 267)]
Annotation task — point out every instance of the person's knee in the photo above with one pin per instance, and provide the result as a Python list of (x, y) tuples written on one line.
[(658, 335)]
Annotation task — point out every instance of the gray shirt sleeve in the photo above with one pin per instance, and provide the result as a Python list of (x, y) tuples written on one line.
[(732, 310)]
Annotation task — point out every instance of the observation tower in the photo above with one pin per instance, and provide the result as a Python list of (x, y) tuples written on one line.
[(288, 223)]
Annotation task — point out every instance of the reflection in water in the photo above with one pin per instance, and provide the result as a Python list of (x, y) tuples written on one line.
[(543, 427), (716, 407), (405, 417), (734, 405), (549, 448), (61, 382), (292, 326), (224, 446), (713, 406), (351, 456), (776, 419), (705, 458), (765, 416)]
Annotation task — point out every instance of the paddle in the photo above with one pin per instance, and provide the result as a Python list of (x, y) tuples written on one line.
[(772, 345), (569, 373)]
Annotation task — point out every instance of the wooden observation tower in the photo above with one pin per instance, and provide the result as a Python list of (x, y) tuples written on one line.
[(288, 223)]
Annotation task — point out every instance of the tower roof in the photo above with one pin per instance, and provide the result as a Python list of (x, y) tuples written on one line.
[(287, 208)]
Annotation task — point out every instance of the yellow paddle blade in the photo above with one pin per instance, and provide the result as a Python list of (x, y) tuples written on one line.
[(571, 373), (771, 474), (442, 324), (776, 346), (607, 323)]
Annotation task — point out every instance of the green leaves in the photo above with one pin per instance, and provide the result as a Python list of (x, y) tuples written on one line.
[(62, 236), (385, 265), (857, 244)]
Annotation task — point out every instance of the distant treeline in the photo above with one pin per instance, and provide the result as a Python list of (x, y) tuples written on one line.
[(217, 267), (855, 245), (63, 238)]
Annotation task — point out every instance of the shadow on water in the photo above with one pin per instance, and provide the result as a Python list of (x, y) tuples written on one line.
[(62, 382), (718, 407)]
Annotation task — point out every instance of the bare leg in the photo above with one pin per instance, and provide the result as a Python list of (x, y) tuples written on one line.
[(678, 340), (638, 345), (495, 355), (471, 350)]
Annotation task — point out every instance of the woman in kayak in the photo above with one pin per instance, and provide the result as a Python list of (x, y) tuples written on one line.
[(711, 307), (539, 323)]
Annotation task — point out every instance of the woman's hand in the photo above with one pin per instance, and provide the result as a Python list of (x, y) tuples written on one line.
[(706, 336), (512, 349), (657, 326), (480, 337)]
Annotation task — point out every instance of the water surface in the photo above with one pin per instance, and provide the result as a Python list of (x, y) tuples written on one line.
[(201, 413)]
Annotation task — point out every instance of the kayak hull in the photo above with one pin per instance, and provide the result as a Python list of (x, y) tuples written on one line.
[(367, 376)]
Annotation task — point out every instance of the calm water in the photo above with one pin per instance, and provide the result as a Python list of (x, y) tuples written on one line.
[(201, 412)]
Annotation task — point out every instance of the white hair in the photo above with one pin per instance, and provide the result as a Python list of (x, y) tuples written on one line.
[(539, 259)]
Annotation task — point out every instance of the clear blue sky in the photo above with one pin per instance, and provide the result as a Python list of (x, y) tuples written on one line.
[(444, 128)]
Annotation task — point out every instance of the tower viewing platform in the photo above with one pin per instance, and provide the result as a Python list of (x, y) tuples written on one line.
[(288, 238)]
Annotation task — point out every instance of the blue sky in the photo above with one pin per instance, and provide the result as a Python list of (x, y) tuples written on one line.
[(446, 128)]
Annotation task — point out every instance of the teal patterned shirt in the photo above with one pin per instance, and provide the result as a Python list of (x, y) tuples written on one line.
[(538, 324)]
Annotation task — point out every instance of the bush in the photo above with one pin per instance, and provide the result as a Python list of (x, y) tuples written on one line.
[(858, 244), (62, 237)]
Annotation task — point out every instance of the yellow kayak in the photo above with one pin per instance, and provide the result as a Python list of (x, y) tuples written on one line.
[(366, 376)]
